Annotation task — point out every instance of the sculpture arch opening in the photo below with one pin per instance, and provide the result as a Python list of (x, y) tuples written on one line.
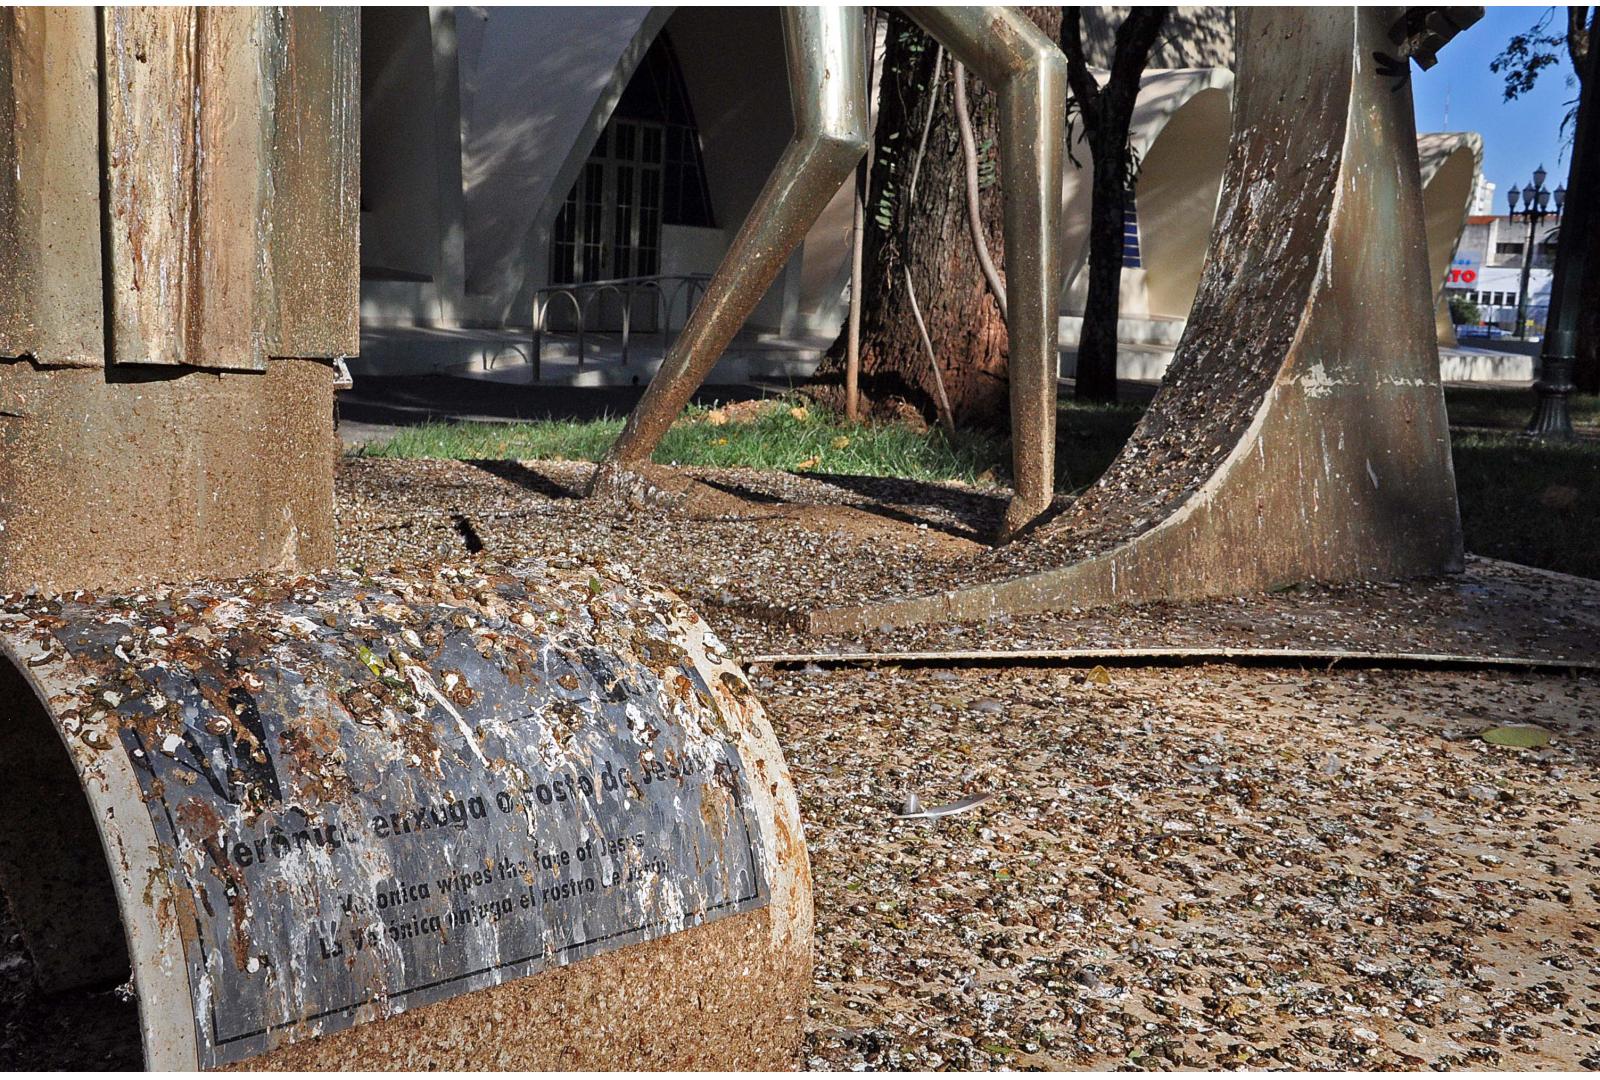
[(1179, 135), (54, 876), (1179, 180)]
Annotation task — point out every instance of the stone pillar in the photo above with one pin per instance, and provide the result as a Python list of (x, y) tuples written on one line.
[(183, 224)]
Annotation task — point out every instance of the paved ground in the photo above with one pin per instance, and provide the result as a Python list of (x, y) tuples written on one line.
[(1203, 866)]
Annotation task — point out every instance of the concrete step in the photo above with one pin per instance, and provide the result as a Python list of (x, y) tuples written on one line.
[(1157, 330), (1466, 364), (1144, 363), (505, 356)]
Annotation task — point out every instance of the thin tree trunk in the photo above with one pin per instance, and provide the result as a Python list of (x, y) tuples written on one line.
[(1106, 113), (1097, 344), (852, 371), (852, 348)]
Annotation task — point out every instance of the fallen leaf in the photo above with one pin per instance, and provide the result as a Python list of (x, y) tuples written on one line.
[(808, 463), (841, 442), (716, 418), (1524, 736), (1099, 675), (800, 412)]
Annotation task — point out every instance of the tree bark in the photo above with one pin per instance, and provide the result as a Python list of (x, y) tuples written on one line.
[(1106, 112), (930, 239), (1586, 349)]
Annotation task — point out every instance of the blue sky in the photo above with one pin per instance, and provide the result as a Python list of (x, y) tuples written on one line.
[(1517, 135)]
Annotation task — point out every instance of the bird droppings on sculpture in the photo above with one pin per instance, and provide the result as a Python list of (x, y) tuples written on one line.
[(1300, 433), (324, 819)]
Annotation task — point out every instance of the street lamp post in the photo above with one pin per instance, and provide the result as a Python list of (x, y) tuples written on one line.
[(1535, 208), (1551, 416)]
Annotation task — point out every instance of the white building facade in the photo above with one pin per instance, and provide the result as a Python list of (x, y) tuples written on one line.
[(507, 150), (1487, 270)]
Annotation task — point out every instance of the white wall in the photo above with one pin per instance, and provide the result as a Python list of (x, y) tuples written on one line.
[(530, 79), (735, 72), (1180, 130)]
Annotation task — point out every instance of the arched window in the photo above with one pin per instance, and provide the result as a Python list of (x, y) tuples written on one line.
[(645, 171)]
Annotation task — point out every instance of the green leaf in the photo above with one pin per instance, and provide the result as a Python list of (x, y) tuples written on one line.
[(368, 658), (1523, 736)]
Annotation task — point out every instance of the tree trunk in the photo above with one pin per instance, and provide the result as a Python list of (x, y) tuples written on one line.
[(1106, 113), (1586, 350), (932, 240), (1097, 344)]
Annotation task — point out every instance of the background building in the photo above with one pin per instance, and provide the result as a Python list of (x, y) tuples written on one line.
[(507, 150), (1487, 269)]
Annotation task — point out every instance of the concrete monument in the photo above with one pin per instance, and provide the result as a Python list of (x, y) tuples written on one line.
[(510, 818)]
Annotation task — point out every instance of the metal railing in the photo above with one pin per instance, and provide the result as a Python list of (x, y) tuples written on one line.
[(583, 296)]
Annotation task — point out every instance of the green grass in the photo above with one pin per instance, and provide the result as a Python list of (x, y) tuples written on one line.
[(559, 439), (777, 439), (1530, 502), (1489, 407), (1088, 438), (1534, 503)]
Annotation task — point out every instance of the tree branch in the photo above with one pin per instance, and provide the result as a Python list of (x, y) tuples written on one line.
[(1579, 37), (1079, 77), (1135, 37)]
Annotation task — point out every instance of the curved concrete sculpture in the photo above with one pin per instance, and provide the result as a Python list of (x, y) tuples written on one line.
[(332, 800), (1450, 164), (1301, 432)]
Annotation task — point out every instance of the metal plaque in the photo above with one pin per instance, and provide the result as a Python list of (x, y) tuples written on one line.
[(371, 793)]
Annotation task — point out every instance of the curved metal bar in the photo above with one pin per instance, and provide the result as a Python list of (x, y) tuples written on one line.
[(537, 336), (1029, 76), (648, 283), (541, 311), (622, 288), (826, 55)]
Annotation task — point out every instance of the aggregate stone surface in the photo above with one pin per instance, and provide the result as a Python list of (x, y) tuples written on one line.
[(1202, 866), (1199, 868), (1183, 867)]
